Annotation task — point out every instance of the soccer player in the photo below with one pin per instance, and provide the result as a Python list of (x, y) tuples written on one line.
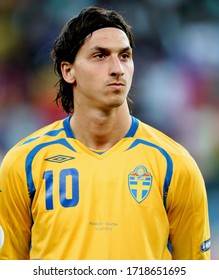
[(100, 184)]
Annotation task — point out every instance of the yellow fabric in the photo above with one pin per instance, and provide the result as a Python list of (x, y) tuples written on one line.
[(60, 200)]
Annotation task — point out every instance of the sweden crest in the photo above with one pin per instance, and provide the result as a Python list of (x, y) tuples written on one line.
[(140, 181)]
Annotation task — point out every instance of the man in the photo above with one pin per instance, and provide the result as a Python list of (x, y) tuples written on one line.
[(100, 184)]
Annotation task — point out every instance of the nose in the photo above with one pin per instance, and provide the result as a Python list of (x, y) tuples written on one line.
[(116, 67)]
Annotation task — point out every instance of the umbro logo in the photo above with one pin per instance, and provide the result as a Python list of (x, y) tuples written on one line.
[(59, 158)]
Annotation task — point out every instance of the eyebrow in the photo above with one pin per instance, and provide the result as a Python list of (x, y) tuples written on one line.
[(101, 49)]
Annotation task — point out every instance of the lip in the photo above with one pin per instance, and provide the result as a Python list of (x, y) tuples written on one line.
[(116, 85)]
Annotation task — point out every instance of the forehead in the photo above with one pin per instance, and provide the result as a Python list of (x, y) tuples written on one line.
[(106, 37)]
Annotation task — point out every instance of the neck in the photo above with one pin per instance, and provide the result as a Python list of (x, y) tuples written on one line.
[(100, 130)]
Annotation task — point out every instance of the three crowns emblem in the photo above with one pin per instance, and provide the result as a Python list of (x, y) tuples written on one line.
[(140, 181)]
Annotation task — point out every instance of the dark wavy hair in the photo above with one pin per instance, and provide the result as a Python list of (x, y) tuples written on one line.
[(71, 39)]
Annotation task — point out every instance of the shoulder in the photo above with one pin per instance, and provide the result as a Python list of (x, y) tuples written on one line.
[(16, 155), (160, 139), (180, 156), (183, 169)]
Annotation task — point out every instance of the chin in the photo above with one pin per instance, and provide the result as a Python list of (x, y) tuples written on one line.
[(115, 104), (116, 99)]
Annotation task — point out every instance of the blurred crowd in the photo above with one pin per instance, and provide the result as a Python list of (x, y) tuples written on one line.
[(176, 81)]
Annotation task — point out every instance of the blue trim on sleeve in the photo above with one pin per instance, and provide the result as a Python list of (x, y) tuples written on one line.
[(30, 158), (49, 133), (30, 140), (169, 246), (54, 132), (169, 171)]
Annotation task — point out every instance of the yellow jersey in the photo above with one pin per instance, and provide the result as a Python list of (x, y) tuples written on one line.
[(144, 198)]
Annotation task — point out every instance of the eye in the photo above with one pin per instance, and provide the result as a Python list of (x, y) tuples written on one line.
[(125, 56), (99, 55)]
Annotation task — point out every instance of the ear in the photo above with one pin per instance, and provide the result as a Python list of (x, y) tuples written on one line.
[(68, 72)]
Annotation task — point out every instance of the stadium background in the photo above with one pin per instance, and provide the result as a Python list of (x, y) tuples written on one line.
[(176, 82)]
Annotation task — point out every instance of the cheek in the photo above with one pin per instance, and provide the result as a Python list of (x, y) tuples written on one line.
[(85, 73), (86, 80), (132, 69), (93, 77), (130, 74)]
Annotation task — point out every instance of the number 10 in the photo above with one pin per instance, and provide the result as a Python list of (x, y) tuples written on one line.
[(65, 202)]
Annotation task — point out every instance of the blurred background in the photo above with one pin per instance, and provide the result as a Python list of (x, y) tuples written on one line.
[(176, 81)]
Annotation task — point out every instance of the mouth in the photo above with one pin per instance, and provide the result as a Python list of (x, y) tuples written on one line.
[(116, 85)]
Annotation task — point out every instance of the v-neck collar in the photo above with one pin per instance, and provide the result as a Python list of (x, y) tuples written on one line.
[(70, 133)]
